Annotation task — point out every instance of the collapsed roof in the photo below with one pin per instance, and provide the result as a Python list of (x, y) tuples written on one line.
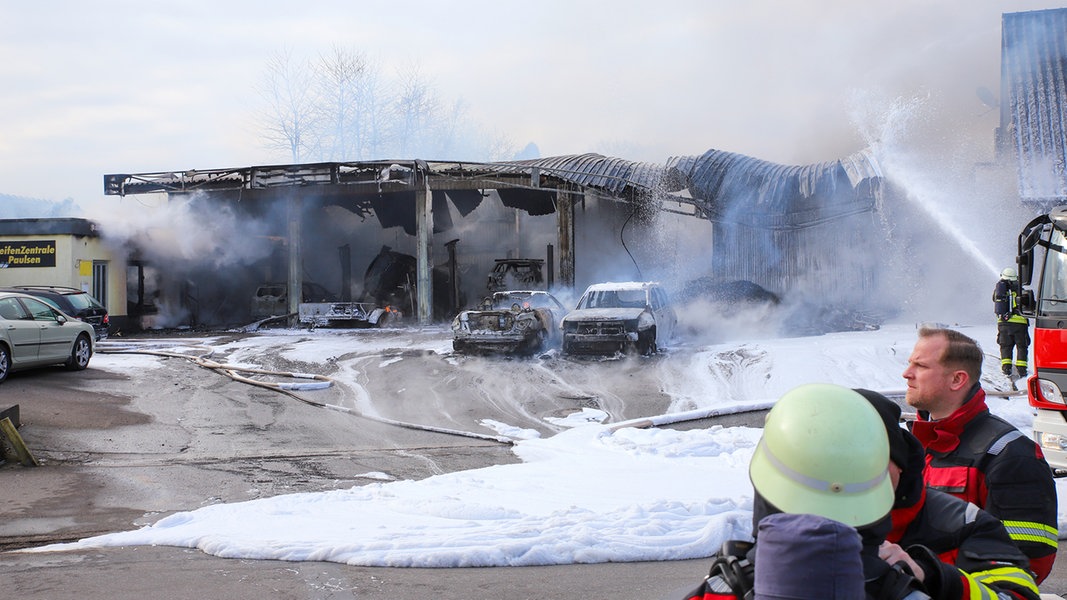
[(720, 186)]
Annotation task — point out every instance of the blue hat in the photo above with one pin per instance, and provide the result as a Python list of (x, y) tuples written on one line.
[(807, 557)]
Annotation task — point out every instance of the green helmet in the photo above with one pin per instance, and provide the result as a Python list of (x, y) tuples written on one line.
[(1009, 273), (824, 451)]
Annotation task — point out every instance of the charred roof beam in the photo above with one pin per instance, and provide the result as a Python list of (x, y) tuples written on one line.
[(611, 175)]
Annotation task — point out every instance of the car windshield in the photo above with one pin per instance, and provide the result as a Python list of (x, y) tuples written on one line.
[(614, 299)]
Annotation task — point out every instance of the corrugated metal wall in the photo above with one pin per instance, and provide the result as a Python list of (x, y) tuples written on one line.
[(1034, 88), (791, 229)]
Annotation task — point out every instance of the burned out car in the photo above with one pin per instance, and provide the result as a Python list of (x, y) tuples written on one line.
[(619, 317), (516, 273), (518, 321), (272, 299)]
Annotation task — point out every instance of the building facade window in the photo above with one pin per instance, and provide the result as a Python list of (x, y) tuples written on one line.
[(100, 281)]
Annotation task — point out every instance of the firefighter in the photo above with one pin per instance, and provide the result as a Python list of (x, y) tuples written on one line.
[(958, 551), (824, 453), (975, 455), (1013, 329)]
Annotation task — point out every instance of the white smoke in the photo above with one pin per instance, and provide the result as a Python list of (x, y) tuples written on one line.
[(959, 219), (190, 229)]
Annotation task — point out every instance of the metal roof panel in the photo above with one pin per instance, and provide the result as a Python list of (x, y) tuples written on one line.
[(1033, 67)]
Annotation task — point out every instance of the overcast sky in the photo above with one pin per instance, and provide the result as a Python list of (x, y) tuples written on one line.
[(88, 88)]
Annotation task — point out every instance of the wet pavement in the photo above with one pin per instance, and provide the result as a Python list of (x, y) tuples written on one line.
[(122, 447)]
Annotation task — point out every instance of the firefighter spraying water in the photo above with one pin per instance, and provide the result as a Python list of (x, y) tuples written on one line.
[(1013, 329)]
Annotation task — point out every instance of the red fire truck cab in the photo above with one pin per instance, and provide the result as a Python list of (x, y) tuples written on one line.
[(1043, 253)]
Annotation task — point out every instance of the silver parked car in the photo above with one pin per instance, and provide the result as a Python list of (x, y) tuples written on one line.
[(71, 302), (618, 317), (511, 321), (34, 334)]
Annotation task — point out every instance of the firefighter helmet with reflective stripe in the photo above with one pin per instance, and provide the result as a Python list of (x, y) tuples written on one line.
[(1010, 274), (824, 451)]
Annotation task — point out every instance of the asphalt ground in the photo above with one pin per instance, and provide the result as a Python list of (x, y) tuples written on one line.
[(120, 450)]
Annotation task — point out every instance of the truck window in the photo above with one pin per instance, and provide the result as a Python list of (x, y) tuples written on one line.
[(1053, 294)]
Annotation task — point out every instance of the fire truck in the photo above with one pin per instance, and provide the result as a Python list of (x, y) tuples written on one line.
[(1043, 253)]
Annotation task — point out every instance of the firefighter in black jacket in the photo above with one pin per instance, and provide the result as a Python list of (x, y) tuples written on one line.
[(931, 546), (824, 453), (1013, 329), (956, 549), (975, 455)]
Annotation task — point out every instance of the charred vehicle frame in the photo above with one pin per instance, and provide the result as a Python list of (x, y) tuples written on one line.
[(509, 321), (618, 317)]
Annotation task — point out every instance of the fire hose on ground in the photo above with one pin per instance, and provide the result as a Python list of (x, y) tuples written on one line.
[(318, 382), (765, 405)]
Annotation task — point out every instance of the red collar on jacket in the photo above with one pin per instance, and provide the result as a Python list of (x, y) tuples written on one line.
[(944, 435), (902, 517)]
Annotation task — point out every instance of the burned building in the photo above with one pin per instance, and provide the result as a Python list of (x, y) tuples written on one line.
[(788, 228), (590, 218)]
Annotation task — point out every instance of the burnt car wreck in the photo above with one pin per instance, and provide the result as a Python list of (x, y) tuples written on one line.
[(516, 274), (520, 321), (619, 317), (389, 293)]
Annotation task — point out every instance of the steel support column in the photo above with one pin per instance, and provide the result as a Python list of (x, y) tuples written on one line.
[(565, 199), (423, 243), (295, 283)]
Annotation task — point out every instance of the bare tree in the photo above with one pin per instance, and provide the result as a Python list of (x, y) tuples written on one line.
[(456, 137), (415, 112), (340, 74), (289, 120), (448, 128), (373, 116), (497, 146), (339, 108)]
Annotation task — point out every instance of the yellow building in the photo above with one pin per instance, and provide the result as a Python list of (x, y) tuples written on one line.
[(66, 252)]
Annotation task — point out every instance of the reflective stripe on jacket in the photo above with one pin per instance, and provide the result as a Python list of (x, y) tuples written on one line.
[(1004, 472), (970, 553)]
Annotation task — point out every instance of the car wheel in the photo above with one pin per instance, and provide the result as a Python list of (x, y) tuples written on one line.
[(79, 356), (5, 362), (646, 342), (536, 343), (385, 319)]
